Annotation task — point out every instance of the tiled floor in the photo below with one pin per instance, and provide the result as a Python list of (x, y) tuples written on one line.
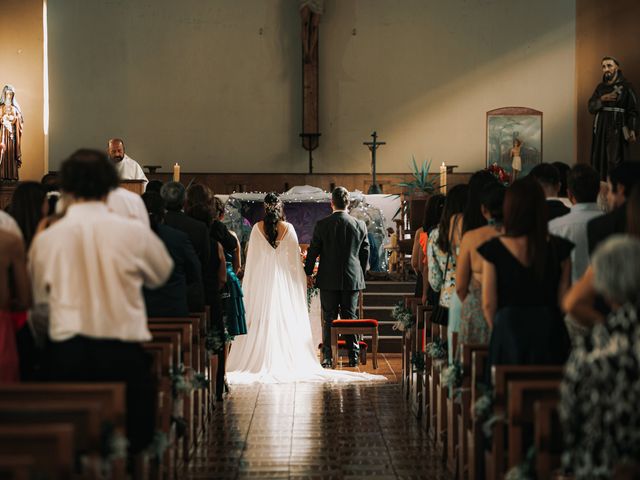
[(317, 431)]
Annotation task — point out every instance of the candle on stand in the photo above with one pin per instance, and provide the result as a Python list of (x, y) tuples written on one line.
[(443, 178), (176, 173)]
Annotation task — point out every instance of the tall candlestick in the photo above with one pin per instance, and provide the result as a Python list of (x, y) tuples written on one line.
[(176, 173), (443, 178)]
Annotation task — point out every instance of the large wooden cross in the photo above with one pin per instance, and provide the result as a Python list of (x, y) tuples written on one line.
[(310, 13)]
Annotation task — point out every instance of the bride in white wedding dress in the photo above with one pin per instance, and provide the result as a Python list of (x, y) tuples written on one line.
[(278, 347)]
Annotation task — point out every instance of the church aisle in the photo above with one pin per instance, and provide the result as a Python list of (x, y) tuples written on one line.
[(310, 431)]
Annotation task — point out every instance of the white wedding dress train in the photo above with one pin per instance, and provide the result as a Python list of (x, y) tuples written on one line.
[(278, 347)]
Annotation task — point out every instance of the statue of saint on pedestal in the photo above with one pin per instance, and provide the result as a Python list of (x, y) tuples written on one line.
[(10, 135)]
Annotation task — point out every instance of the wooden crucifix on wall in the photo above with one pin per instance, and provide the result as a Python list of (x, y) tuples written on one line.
[(310, 13)]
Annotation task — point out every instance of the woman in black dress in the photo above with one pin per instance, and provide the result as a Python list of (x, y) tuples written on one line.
[(525, 273)]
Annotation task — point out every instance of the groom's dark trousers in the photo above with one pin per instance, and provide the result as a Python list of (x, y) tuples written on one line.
[(341, 242)]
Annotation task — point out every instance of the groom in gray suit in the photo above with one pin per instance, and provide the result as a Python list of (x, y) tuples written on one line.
[(341, 242)]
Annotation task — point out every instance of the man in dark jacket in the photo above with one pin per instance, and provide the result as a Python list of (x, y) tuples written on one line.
[(341, 242), (173, 194)]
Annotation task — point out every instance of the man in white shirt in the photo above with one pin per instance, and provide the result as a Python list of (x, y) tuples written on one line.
[(128, 204), (583, 186), (127, 167), (90, 268)]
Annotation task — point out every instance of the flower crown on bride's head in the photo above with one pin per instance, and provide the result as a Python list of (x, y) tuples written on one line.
[(272, 204)]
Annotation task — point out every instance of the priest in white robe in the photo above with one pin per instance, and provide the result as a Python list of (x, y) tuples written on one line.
[(127, 167)]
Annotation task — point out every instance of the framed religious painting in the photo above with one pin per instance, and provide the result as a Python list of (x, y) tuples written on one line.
[(514, 139)]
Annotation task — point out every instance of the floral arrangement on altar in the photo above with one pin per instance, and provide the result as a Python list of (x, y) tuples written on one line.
[(500, 173)]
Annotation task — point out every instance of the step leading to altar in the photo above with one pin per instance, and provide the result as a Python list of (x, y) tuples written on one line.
[(379, 298)]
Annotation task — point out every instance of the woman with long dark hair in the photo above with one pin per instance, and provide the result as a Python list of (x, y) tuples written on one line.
[(29, 205), (525, 274), (473, 327), (441, 253), (430, 219)]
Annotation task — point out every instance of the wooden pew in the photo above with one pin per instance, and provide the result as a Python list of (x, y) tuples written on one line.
[(163, 361), (441, 392), (75, 404), (520, 414), (475, 438), (434, 384), (452, 411), (417, 349), (180, 335), (197, 365), (426, 395), (51, 445), (495, 465), (17, 467), (464, 424), (547, 437)]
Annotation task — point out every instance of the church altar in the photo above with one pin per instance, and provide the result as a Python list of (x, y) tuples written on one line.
[(305, 205)]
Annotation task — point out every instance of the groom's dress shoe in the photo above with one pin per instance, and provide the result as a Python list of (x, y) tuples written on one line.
[(326, 362), (353, 361)]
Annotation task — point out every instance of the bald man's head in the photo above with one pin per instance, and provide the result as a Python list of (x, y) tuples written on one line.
[(115, 149)]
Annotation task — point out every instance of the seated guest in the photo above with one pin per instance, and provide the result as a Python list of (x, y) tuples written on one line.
[(128, 204), (525, 273), (549, 179), (13, 278), (170, 300), (583, 187), (600, 393), (90, 267), (621, 180), (173, 194), (127, 167), (473, 326), (430, 219)]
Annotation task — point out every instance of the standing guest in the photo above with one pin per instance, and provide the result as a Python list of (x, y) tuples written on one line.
[(234, 312), (154, 186), (583, 187), (563, 170), (198, 206), (170, 300), (615, 106), (549, 179), (525, 273), (8, 224), (90, 267), (28, 206), (582, 301), (621, 180), (600, 392), (127, 167), (473, 326), (173, 194), (430, 219), (440, 249), (15, 296), (128, 204)]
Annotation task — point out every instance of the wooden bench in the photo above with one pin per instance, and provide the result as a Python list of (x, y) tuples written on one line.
[(452, 405), (547, 437), (495, 465), (51, 445), (17, 467), (520, 414), (475, 437), (464, 424)]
